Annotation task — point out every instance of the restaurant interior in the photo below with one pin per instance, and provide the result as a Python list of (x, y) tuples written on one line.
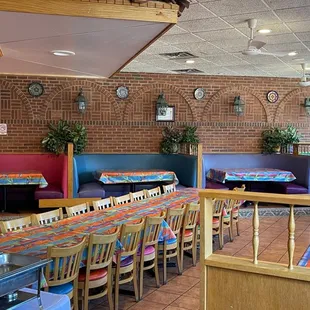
[(155, 154)]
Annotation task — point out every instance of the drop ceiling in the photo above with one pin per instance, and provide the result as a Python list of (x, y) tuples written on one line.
[(217, 32)]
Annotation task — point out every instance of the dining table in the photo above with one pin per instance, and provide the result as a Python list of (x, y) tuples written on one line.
[(14, 178)]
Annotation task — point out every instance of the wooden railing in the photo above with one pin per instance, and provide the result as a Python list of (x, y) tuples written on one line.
[(302, 148), (251, 284)]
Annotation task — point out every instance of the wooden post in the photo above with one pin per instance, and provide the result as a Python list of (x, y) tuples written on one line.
[(255, 233), (206, 245), (70, 170), (199, 166), (291, 237)]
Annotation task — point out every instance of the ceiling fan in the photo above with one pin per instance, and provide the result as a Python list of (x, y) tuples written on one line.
[(303, 82), (256, 43)]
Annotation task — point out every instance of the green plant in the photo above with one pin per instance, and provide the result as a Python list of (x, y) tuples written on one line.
[(171, 139), (273, 139), (291, 135), (189, 135), (61, 134)]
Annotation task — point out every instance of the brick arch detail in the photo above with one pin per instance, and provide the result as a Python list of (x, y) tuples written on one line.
[(21, 96), (143, 90), (81, 83), (286, 99), (225, 90)]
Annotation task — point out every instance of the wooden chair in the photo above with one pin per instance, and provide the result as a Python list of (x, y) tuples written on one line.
[(218, 206), (170, 248), (169, 188), (121, 200), (98, 271), (78, 209), (235, 209), (189, 233), (103, 204), (138, 196), (47, 217), (154, 192), (149, 248), (62, 278), (13, 225), (126, 270)]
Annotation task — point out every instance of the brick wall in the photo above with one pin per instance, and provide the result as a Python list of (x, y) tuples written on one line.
[(129, 125)]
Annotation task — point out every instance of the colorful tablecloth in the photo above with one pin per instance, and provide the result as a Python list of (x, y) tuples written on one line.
[(305, 260), (22, 178), (135, 176), (250, 175)]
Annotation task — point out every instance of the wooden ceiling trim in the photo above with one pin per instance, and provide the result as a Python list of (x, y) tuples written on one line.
[(110, 9)]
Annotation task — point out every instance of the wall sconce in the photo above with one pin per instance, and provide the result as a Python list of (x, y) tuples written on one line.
[(81, 101), (161, 104), (239, 106), (307, 105)]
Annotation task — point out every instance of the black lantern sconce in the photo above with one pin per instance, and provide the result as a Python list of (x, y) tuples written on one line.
[(81, 101), (307, 105), (161, 104), (239, 106)]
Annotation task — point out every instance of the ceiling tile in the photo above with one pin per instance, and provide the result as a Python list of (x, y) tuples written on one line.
[(200, 48), (230, 7), (232, 45), (281, 38), (299, 26), (226, 34), (284, 47), (295, 14), (303, 36), (260, 59), (225, 60), (285, 4), (175, 30), (160, 47), (275, 28), (204, 25), (195, 11), (180, 38)]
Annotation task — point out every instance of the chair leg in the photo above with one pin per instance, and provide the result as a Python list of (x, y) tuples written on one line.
[(110, 290), (237, 226), (156, 269), (116, 290), (165, 266), (194, 251), (141, 272), (181, 257), (75, 295), (230, 233), (85, 300), (221, 238), (135, 280)]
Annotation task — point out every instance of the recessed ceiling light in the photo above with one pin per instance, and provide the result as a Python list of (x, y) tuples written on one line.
[(292, 53), (190, 61), (264, 31), (62, 53)]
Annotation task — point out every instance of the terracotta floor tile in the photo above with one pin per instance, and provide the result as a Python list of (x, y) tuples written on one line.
[(194, 292), (142, 305), (193, 272), (160, 297), (174, 308), (187, 303)]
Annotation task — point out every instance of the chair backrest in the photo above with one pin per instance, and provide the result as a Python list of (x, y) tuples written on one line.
[(154, 192), (78, 209), (103, 203), (47, 217), (137, 196), (174, 219), (218, 206), (169, 188), (66, 263), (130, 237), (152, 229), (191, 216), (18, 224), (100, 251), (237, 203), (122, 199)]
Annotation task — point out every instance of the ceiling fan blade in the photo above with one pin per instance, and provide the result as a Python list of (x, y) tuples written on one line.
[(257, 44), (279, 54)]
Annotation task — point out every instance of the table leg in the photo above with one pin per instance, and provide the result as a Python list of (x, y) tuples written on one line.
[(4, 199)]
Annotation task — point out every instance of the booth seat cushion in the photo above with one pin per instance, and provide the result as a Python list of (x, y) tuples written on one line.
[(49, 192), (214, 185), (291, 188), (92, 189)]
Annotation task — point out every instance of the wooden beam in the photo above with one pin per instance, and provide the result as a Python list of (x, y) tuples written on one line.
[(70, 170), (199, 166), (77, 8), (67, 202)]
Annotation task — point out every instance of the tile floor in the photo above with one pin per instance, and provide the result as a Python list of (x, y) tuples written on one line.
[(182, 292)]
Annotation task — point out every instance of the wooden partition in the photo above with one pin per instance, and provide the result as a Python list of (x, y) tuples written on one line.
[(237, 283)]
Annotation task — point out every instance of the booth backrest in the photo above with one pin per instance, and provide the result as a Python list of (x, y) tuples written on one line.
[(54, 168), (184, 166), (299, 165)]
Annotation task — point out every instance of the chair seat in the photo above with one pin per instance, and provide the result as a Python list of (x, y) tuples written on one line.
[(126, 262), (235, 210), (291, 188), (61, 289), (188, 233), (94, 274), (169, 241), (49, 192), (148, 250), (90, 190)]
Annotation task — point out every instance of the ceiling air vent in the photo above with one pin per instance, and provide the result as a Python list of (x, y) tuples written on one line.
[(188, 71), (178, 55)]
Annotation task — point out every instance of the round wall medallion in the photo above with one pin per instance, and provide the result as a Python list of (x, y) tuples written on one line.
[(35, 89), (199, 93), (122, 92), (272, 96)]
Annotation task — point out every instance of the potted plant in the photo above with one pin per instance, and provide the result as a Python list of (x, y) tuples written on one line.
[(171, 140), (291, 136), (190, 140), (63, 133), (273, 140)]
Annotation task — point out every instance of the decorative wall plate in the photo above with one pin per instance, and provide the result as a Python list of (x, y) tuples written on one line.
[(122, 92), (272, 96), (36, 89), (199, 93)]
